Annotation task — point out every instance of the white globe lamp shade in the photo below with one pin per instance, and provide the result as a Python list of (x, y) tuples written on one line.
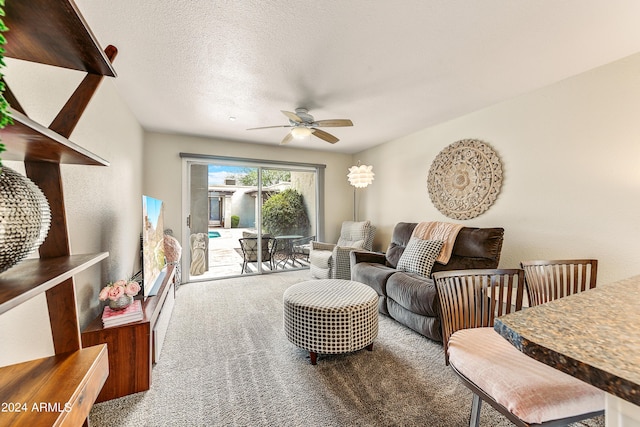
[(360, 176)]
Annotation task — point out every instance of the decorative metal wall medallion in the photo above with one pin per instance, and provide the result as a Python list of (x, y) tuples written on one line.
[(465, 179)]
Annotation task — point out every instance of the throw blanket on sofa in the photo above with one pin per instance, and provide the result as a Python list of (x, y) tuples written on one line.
[(435, 230)]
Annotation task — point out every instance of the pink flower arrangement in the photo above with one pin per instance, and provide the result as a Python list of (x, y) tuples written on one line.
[(113, 291)]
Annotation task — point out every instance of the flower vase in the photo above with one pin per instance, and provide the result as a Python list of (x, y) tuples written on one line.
[(121, 303)]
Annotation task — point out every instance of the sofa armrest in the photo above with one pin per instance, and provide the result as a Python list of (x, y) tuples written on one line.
[(367, 256)]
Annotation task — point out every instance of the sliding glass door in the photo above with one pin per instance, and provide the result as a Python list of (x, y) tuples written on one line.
[(248, 217)]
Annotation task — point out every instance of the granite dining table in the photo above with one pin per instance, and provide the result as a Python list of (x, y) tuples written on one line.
[(593, 336)]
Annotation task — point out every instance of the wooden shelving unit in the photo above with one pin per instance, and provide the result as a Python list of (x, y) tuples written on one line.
[(34, 276), (52, 32), (30, 141)]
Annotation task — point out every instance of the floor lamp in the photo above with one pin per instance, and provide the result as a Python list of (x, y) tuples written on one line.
[(360, 176)]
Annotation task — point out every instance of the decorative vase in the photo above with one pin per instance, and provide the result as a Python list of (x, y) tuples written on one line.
[(25, 217), (121, 303)]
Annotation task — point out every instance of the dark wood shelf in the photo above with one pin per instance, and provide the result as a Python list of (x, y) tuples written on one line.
[(53, 32), (34, 276), (73, 379), (27, 140)]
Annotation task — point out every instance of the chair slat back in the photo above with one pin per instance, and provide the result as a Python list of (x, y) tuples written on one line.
[(474, 298), (549, 280)]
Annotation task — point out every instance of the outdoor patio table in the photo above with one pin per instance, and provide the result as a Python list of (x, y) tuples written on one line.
[(284, 244)]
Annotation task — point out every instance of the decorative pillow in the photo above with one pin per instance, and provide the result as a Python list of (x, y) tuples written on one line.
[(419, 255), (351, 244)]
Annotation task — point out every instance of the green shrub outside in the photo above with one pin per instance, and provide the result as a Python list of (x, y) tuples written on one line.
[(285, 214), (235, 221)]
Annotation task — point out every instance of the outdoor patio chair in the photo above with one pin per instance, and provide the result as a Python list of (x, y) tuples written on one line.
[(527, 392), (249, 246), (302, 247)]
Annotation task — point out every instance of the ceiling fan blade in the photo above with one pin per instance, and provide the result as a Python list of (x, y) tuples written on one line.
[(292, 116), (333, 123), (325, 135), (287, 139), (271, 127)]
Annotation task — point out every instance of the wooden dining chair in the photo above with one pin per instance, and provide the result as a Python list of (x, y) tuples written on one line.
[(553, 279), (474, 298), (527, 392)]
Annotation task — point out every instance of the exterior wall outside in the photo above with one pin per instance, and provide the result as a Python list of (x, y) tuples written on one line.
[(103, 204), (305, 184), (570, 156), (244, 205)]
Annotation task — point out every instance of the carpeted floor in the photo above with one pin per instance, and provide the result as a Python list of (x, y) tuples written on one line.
[(226, 362)]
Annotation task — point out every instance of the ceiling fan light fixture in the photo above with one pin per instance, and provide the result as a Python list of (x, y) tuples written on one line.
[(303, 125), (300, 132)]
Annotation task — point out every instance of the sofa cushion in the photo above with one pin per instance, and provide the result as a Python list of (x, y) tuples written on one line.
[(424, 325), (479, 242), (372, 274), (414, 292), (475, 248), (419, 255), (399, 239), (531, 390)]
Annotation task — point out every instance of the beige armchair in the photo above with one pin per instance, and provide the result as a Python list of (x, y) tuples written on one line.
[(332, 261)]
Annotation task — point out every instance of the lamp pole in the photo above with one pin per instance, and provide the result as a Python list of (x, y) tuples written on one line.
[(355, 216)]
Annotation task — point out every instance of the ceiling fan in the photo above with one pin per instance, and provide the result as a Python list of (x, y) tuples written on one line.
[(303, 124)]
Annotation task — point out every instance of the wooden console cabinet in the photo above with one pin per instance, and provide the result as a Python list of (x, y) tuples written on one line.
[(134, 347)]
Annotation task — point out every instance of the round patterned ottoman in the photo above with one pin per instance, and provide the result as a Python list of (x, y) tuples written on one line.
[(331, 316)]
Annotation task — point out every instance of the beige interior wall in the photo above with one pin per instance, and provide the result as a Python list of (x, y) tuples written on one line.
[(103, 204), (570, 154), (163, 173)]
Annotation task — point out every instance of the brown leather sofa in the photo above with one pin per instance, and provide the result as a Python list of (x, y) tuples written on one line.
[(412, 299)]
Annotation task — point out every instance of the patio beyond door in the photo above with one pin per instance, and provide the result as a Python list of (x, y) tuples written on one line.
[(258, 218)]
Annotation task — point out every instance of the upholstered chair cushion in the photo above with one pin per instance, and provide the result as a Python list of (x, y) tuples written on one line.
[(357, 235), (531, 390), (419, 256), (336, 263)]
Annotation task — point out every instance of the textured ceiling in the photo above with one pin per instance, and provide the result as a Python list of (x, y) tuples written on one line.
[(392, 67)]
